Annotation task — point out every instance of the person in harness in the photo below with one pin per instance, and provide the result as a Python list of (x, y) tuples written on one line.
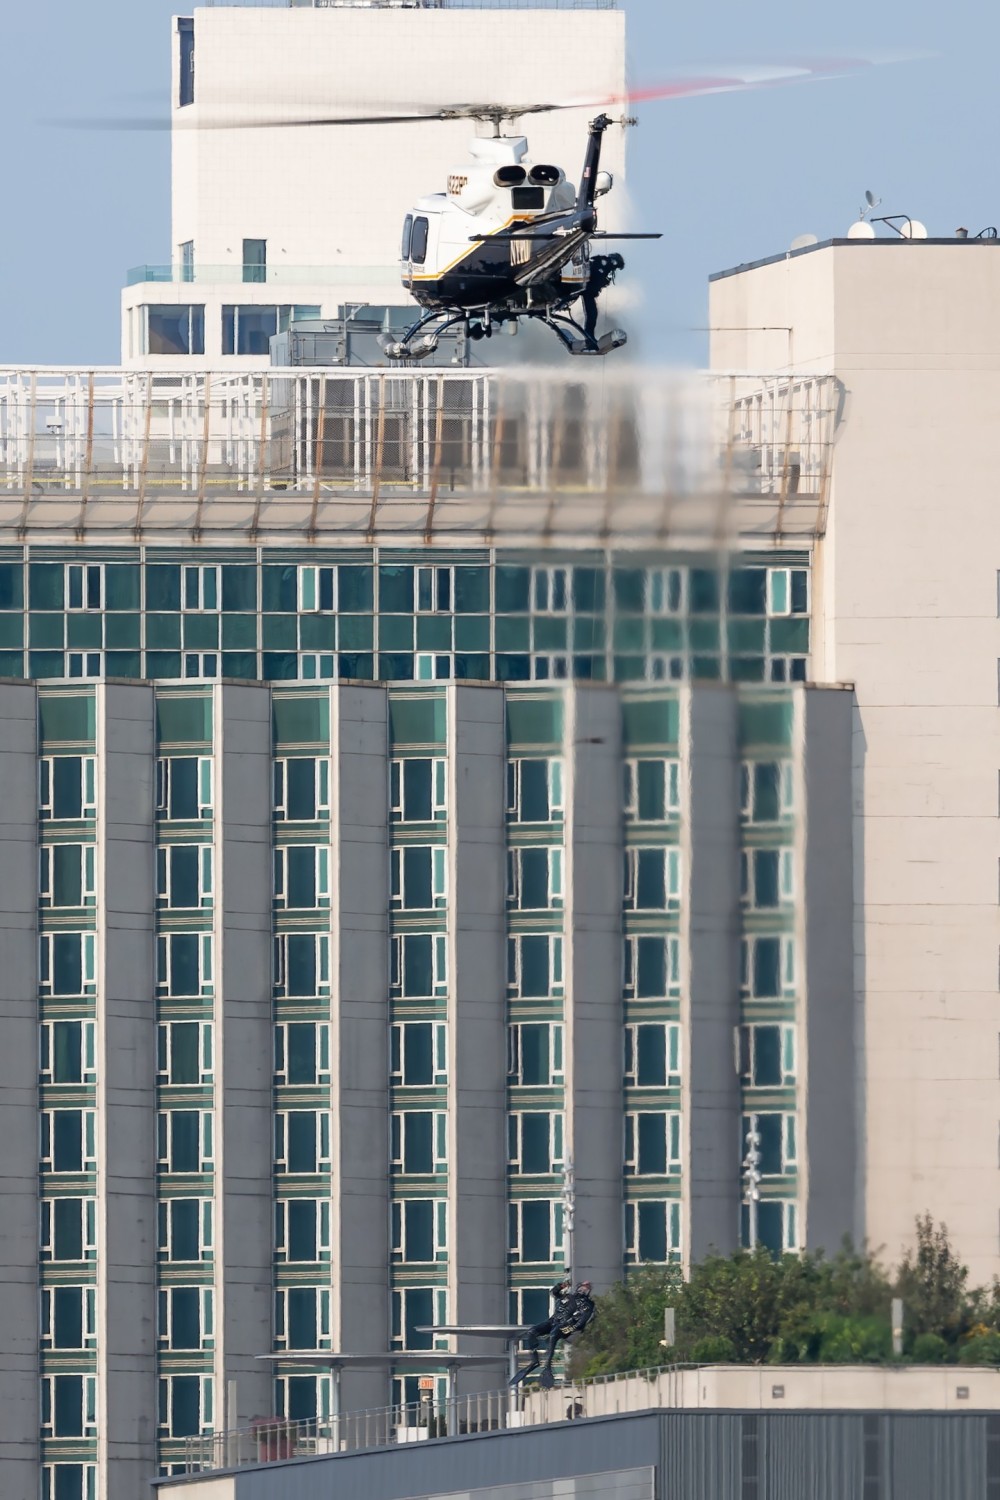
[(573, 1308), (602, 275)]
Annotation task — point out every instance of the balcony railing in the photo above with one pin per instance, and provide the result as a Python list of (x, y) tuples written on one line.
[(235, 274)]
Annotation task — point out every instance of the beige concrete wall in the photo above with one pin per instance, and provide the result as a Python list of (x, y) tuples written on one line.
[(906, 587)]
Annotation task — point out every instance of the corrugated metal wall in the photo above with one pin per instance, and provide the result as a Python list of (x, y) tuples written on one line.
[(696, 1456)]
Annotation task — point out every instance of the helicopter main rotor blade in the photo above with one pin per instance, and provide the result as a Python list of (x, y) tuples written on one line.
[(721, 81)]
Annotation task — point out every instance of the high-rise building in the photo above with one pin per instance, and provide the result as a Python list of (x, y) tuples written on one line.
[(397, 811)]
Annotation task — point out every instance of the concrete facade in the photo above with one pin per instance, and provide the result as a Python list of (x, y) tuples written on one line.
[(442, 1109), (905, 591)]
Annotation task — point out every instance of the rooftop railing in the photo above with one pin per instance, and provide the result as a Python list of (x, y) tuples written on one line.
[(269, 1440), (577, 458)]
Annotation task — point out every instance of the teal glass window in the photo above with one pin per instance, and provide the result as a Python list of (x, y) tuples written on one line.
[(472, 590), (63, 1316), (163, 587), (588, 589), (121, 585), (239, 588), (180, 1221), (646, 1054), (395, 588), (11, 586), (747, 591), (45, 585), (651, 1231), (301, 1229)]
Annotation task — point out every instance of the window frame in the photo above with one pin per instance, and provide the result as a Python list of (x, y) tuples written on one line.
[(279, 951), (672, 1231), (398, 1231), (439, 965), (165, 1230), (324, 1233), (672, 1143), (438, 788), (324, 1142), (672, 1075), (321, 1053), (88, 1316), (321, 788), (671, 767), (164, 966), (323, 1316), (204, 778), (88, 1230), (87, 581), (397, 1054), (515, 1142), (438, 874), (672, 876), (322, 862), (515, 1231), (164, 1053), (515, 1053), (165, 878), (206, 1318), (206, 1143), (88, 965), (88, 1406), (88, 1049), (554, 779), (554, 878), (397, 1142), (206, 1402), (88, 788), (515, 965)]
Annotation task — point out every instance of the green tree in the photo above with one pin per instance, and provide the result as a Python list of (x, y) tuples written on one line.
[(751, 1307), (933, 1284)]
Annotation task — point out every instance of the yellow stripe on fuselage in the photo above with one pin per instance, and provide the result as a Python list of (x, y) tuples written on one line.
[(473, 245)]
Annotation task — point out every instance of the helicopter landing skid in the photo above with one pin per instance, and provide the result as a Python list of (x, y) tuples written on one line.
[(575, 340)]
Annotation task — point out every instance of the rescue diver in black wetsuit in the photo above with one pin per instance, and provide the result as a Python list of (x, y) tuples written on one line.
[(572, 1311), (602, 275)]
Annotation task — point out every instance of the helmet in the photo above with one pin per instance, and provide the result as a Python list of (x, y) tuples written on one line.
[(585, 1286)]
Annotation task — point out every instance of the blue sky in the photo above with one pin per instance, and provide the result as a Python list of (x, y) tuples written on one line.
[(728, 179)]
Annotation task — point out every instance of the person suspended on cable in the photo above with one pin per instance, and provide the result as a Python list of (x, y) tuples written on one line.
[(572, 1310)]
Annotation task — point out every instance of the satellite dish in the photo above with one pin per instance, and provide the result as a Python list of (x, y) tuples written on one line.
[(870, 198), (861, 230), (802, 241), (912, 229)]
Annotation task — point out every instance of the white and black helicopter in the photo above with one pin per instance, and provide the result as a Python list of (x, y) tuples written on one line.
[(512, 239), (509, 238)]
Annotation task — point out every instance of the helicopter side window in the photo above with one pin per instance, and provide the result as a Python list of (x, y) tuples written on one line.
[(418, 241), (527, 197), (404, 251)]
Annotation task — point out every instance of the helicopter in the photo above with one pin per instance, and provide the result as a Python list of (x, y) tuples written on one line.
[(510, 239)]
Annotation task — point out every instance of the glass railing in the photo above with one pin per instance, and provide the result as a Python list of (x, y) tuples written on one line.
[(276, 275)]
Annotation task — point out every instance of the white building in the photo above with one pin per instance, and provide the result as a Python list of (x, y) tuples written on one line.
[(273, 222), (905, 597)]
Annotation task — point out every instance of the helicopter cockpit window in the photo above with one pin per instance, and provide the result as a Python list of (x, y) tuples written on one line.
[(527, 197), (418, 241), (404, 251)]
